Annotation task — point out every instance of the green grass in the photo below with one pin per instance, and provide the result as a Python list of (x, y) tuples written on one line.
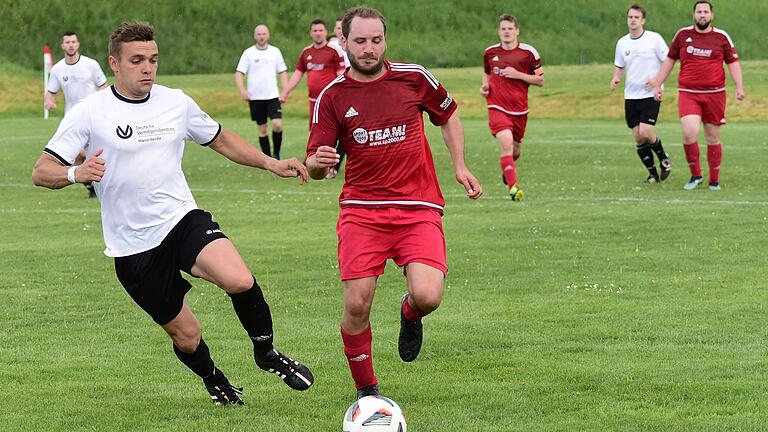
[(598, 303)]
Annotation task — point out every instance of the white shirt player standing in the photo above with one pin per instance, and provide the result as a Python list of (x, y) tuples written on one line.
[(76, 74), (640, 53)]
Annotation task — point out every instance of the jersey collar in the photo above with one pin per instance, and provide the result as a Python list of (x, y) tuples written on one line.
[(127, 100)]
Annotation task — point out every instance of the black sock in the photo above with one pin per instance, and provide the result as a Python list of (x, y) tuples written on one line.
[(254, 315), (646, 156), (277, 141), (658, 149), (201, 363), (264, 143), (341, 152)]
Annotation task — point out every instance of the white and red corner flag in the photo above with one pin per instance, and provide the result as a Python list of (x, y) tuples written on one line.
[(47, 65)]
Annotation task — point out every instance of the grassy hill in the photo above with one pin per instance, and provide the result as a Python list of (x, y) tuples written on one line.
[(570, 92), (199, 36)]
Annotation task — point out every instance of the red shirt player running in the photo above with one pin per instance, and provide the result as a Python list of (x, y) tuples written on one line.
[(391, 204), (702, 49), (319, 61), (509, 68)]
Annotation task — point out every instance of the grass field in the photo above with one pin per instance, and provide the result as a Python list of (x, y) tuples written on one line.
[(598, 303)]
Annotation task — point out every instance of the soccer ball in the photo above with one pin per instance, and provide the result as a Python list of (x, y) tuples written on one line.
[(374, 414)]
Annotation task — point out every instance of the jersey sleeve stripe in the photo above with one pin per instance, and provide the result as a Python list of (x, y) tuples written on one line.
[(416, 68), (56, 156), (218, 132), (531, 49), (316, 111), (722, 32)]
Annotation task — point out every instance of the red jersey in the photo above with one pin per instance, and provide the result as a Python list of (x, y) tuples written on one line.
[(510, 95), (380, 125), (320, 65), (701, 58)]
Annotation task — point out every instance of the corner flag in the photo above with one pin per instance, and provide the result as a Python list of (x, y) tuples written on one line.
[(47, 64)]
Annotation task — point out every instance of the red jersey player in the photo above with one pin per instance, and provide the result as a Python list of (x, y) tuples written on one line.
[(391, 204), (509, 68), (319, 61), (701, 49)]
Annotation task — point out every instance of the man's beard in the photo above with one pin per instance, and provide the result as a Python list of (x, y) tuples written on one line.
[(703, 26), (370, 70)]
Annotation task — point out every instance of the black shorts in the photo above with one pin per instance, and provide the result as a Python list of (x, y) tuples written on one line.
[(260, 109), (153, 278), (638, 111)]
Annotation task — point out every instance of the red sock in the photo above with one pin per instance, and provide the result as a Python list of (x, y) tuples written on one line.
[(357, 348), (412, 313), (692, 156), (714, 157), (508, 168)]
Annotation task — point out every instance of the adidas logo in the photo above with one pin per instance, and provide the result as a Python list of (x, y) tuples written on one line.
[(361, 357), (689, 40), (351, 112), (495, 58)]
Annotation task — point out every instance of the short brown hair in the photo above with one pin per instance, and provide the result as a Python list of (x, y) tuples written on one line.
[(316, 22), (361, 12), (136, 31), (638, 8), (711, 8), (508, 17)]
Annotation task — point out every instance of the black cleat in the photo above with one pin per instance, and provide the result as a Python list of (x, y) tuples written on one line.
[(225, 394), (666, 168), (411, 336), (371, 390), (652, 179), (294, 374)]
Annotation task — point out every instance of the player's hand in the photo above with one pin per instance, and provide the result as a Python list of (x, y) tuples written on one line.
[(470, 183), (283, 97), (614, 84), (485, 90), (92, 170), (289, 168), (244, 95), (650, 85), (50, 104), (326, 156), (658, 93), (740, 95), (510, 72)]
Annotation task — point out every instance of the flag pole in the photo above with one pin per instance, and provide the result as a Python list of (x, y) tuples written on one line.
[(46, 71)]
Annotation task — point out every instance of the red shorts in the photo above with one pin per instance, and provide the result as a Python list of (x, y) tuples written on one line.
[(499, 121), (368, 237), (709, 106)]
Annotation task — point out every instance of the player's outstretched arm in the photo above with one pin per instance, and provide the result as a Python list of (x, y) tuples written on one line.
[(319, 163), (235, 148), (290, 85), (49, 173), (453, 135), (738, 79)]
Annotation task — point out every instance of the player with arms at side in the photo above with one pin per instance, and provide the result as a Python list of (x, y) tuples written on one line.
[(133, 135), (640, 53), (701, 49), (79, 76), (509, 68), (262, 63), (391, 204)]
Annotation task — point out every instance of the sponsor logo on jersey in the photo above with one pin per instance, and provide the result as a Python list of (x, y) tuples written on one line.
[(626, 53), (446, 103), (124, 133), (66, 78), (496, 70), (379, 137), (699, 52), (351, 112), (315, 66), (151, 132)]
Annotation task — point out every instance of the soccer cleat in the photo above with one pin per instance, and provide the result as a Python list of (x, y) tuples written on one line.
[(225, 394), (294, 374), (652, 179), (371, 390), (714, 186), (692, 183), (411, 335), (515, 193), (666, 168), (91, 190)]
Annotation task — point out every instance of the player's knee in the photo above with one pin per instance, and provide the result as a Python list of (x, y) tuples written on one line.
[(240, 282), (188, 338), (428, 301), (357, 308)]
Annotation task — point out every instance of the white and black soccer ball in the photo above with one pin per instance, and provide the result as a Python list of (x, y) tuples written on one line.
[(374, 414)]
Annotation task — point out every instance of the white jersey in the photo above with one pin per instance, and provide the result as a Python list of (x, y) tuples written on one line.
[(641, 57), (334, 43), (143, 192), (79, 80), (261, 66)]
